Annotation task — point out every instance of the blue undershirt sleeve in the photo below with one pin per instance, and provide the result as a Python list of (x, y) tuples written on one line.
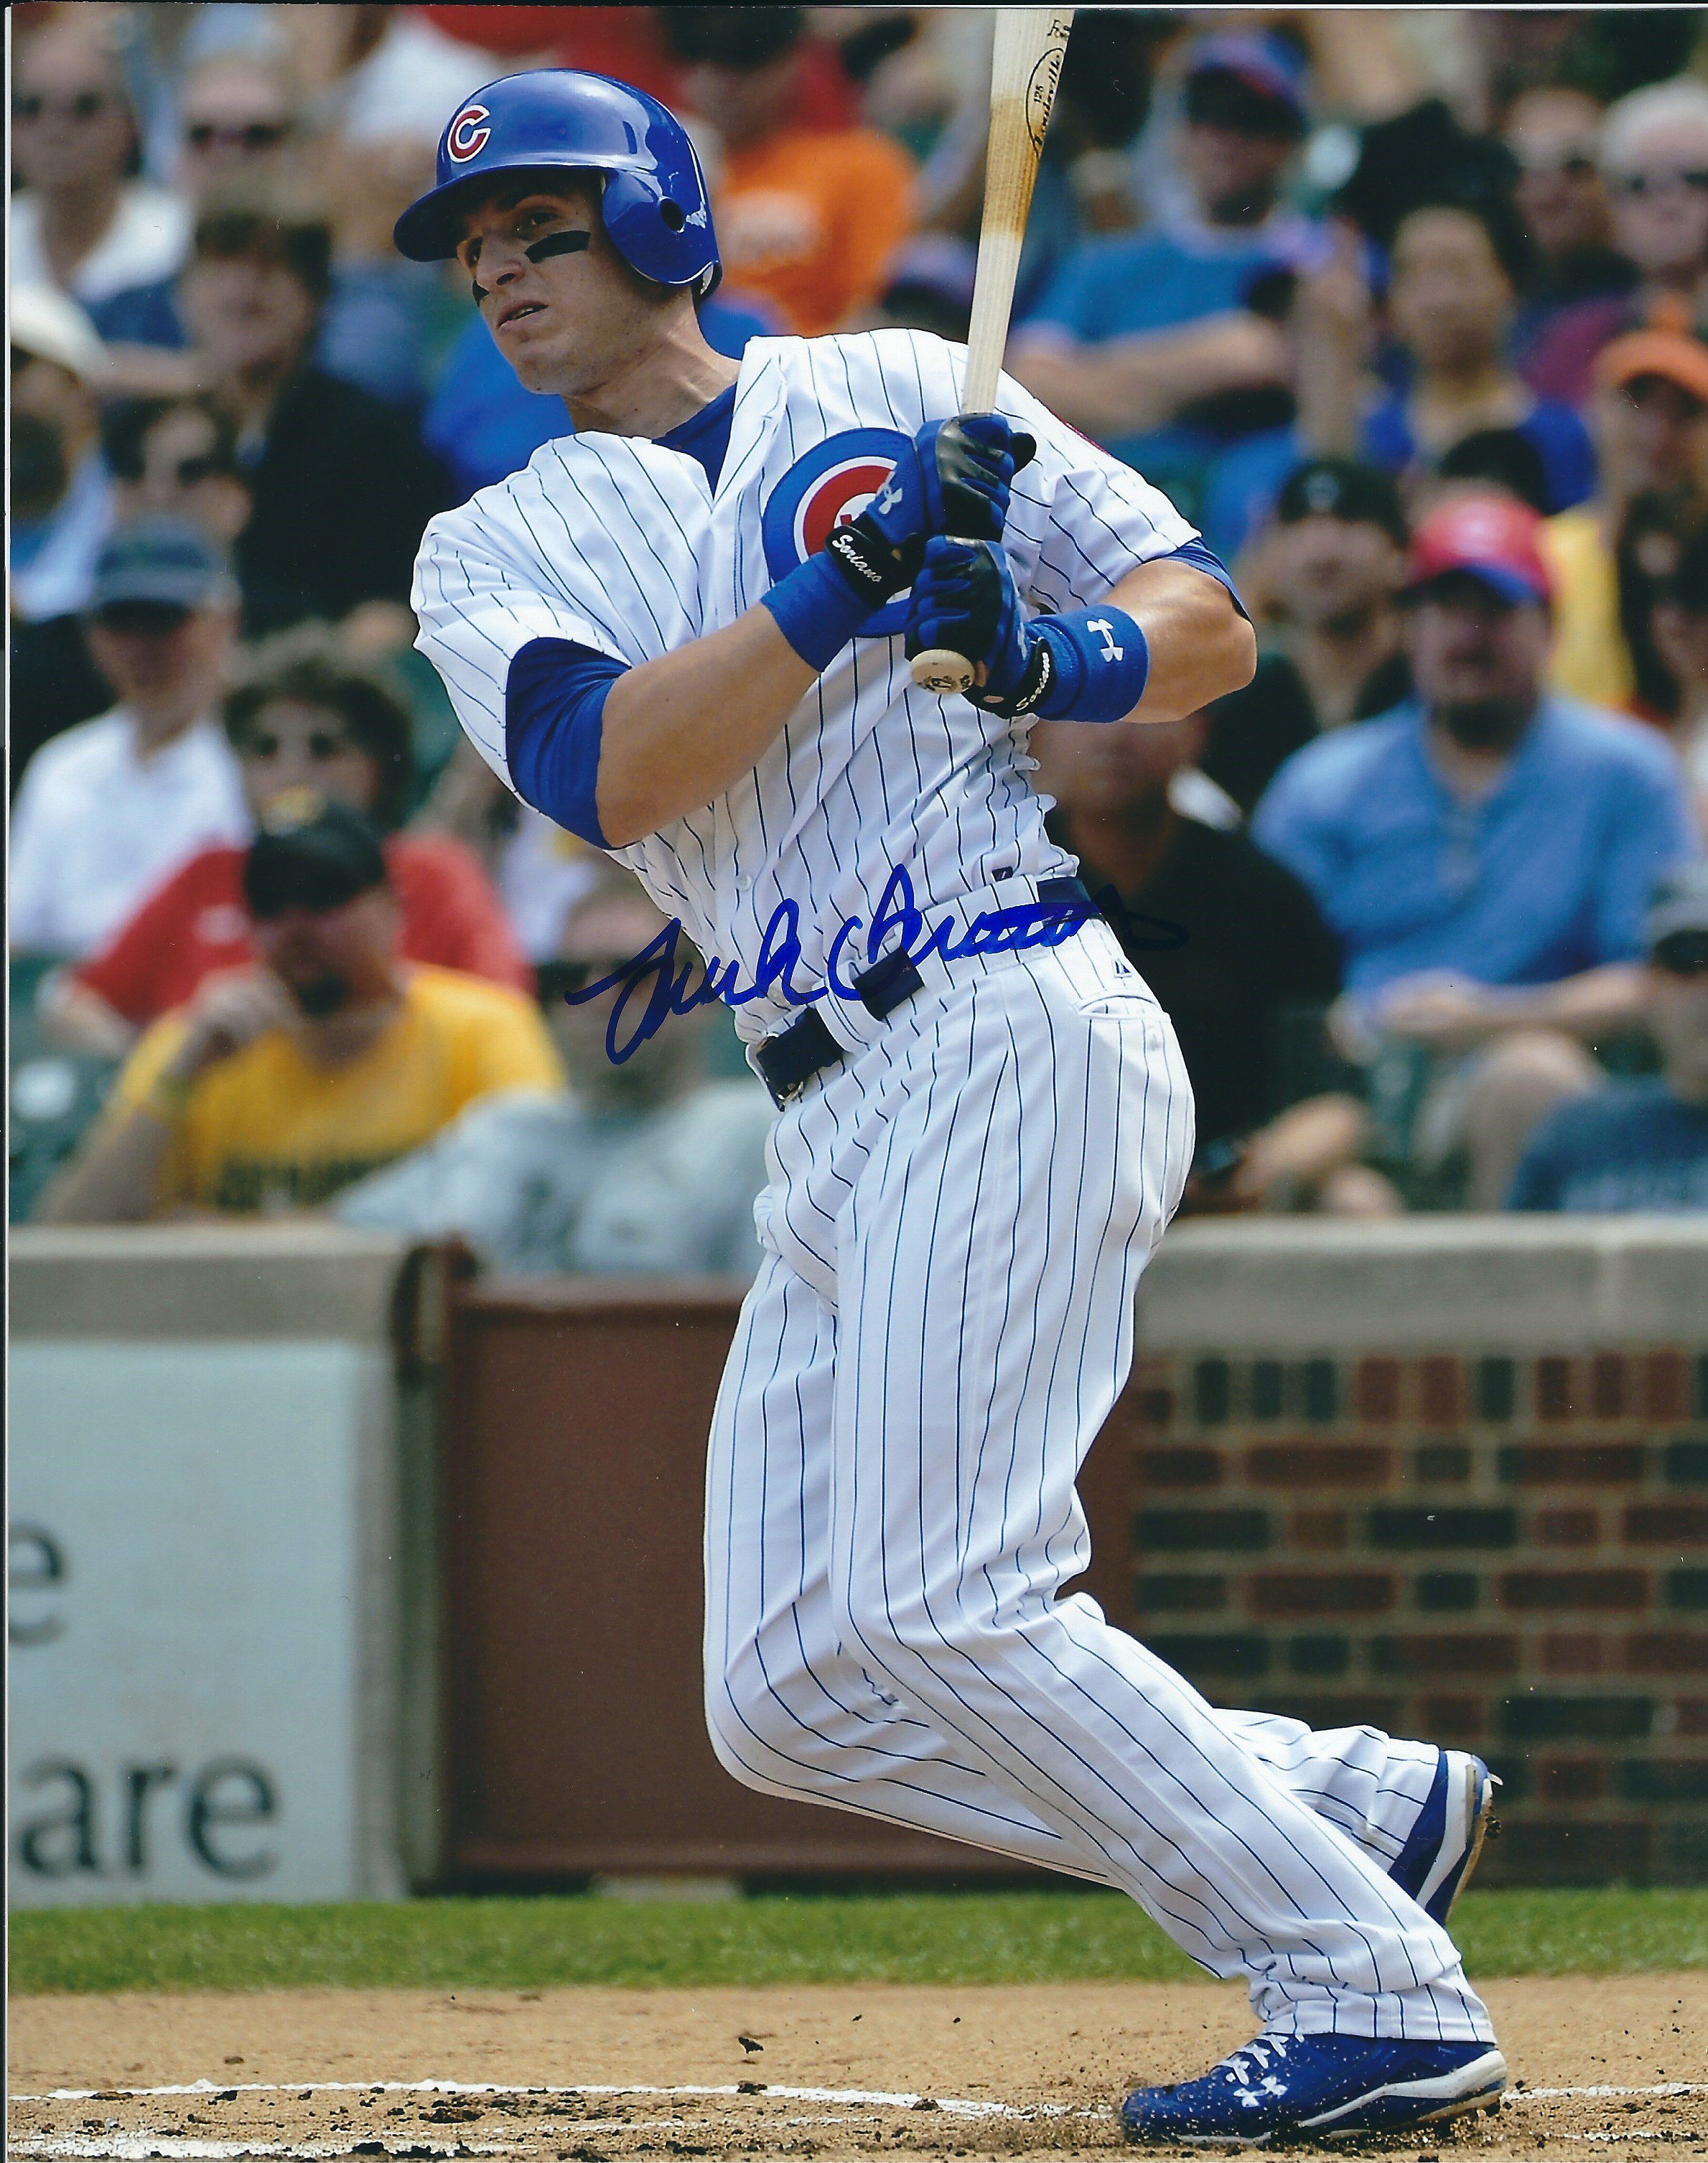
[(553, 720), (1201, 558)]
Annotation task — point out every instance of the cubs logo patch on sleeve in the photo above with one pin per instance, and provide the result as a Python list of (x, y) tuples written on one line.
[(828, 487)]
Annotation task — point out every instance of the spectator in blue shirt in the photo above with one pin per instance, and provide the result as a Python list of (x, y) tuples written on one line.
[(1137, 334), (1451, 298), (1640, 1145), (1459, 407), (1486, 851), (486, 425)]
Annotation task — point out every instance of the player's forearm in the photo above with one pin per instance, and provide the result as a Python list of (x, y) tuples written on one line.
[(681, 730), (113, 1180), (1200, 647)]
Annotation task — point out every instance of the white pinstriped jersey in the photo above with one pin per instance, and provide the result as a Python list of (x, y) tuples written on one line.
[(620, 544), (958, 1211)]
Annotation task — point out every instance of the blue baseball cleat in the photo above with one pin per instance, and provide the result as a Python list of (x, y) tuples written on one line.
[(1438, 1858), (1324, 2088)]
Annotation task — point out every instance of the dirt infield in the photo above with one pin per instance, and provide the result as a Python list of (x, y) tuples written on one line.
[(1028, 2071)]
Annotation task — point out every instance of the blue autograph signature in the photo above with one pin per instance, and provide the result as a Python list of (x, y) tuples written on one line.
[(674, 989)]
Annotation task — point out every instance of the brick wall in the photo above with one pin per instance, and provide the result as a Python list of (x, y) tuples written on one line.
[(1505, 1553)]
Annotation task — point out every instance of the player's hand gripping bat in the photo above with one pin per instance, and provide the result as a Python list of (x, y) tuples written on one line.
[(1025, 68)]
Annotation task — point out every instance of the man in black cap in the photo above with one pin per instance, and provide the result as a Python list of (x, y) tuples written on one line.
[(281, 1083), (109, 808), (1332, 565), (1640, 1145)]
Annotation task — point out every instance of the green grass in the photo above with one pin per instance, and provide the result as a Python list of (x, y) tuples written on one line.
[(939, 1938)]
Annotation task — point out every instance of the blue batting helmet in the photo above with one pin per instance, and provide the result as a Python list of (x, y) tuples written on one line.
[(654, 202)]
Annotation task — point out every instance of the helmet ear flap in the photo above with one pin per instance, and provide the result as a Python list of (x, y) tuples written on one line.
[(652, 231)]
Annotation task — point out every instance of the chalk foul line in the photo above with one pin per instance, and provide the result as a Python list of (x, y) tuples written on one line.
[(125, 2147), (1665, 2088), (871, 2098)]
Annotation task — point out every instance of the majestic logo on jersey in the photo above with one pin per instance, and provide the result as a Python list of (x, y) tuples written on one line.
[(466, 137), (828, 487)]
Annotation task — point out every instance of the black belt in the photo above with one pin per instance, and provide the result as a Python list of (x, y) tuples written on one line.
[(788, 1060)]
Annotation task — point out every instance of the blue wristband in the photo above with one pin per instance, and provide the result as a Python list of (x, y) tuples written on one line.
[(1103, 663), (817, 610)]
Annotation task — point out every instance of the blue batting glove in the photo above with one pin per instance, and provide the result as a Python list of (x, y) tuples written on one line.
[(965, 597), (953, 478), (1090, 665)]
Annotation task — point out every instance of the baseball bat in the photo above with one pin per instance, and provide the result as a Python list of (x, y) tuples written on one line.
[(1025, 68)]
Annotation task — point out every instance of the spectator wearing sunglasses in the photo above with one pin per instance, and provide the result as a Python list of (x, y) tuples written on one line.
[(237, 131), (280, 1083), (176, 457), (238, 126), (302, 717), (110, 807), (1560, 195), (241, 134), (80, 221), (1640, 1145), (1654, 157)]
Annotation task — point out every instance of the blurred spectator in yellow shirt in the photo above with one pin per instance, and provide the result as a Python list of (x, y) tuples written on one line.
[(809, 219), (281, 1083), (1649, 417), (1680, 634)]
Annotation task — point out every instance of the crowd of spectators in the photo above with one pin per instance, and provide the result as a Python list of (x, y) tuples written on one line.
[(1408, 311)]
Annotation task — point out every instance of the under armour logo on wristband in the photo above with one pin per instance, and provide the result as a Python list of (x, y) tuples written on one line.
[(887, 498), (1102, 624)]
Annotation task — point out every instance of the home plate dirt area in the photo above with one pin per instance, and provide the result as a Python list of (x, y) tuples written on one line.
[(1603, 2066)]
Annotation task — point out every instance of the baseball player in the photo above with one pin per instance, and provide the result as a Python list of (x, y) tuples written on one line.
[(682, 632)]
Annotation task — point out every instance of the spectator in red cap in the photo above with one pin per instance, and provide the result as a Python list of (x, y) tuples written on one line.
[(1485, 852), (1650, 418)]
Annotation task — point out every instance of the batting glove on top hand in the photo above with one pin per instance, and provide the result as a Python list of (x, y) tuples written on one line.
[(953, 478), (965, 597)]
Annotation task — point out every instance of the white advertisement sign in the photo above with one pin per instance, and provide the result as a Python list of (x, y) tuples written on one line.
[(196, 1623)]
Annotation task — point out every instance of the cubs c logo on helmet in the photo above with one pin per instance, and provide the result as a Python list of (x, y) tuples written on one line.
[(829, 486), (467, 137)]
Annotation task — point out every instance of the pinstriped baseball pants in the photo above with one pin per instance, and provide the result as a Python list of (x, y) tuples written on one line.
[(956, 1224)]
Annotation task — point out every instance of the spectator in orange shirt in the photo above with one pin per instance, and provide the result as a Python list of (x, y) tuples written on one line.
[(808, 220), (303, 721)]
